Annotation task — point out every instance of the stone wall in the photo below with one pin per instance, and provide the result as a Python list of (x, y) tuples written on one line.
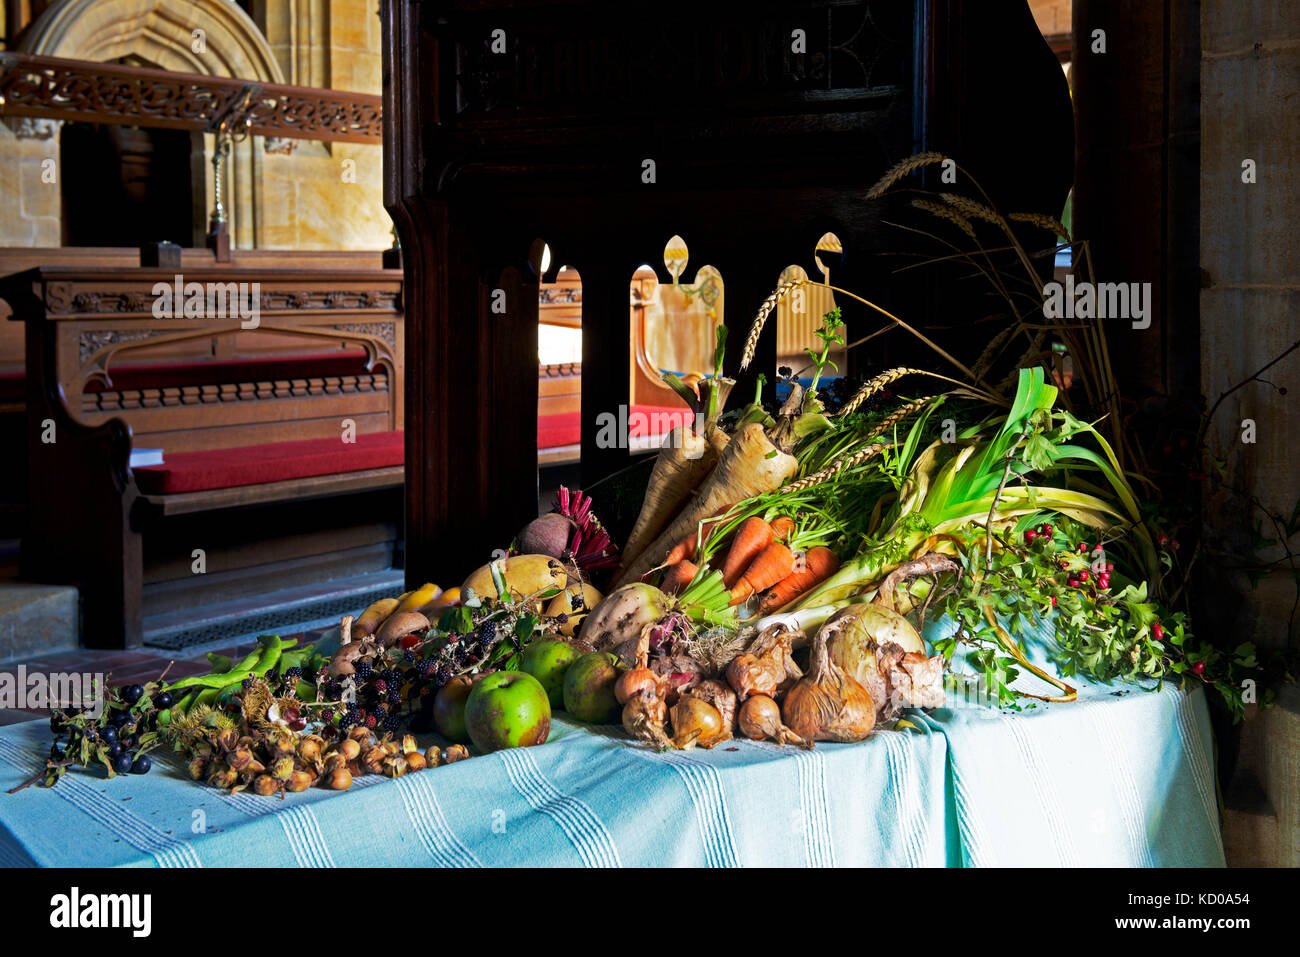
[(292, 195), (1250, 314)]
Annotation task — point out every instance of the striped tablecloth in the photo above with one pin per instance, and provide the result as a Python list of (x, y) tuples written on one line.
[(1121, 777)]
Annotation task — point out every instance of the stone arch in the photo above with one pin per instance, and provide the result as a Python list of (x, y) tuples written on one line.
[(161, 33)]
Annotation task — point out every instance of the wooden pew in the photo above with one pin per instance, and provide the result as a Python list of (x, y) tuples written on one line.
[(98, 365)]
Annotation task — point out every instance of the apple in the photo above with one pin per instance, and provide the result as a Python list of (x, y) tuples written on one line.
[(547, 659), (449, 708), (507, 709), (589, 688)]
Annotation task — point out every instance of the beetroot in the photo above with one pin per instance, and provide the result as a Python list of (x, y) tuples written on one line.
[(546, 535)]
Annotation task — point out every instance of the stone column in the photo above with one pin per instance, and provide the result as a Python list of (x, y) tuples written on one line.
[(1250, 314)]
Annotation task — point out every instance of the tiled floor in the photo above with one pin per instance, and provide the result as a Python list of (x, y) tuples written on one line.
[(122, 667)]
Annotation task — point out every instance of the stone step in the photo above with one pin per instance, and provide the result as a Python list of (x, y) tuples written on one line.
[(37, 620)]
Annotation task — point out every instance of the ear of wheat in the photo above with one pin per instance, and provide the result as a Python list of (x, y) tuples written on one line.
[(972, 209), (943, 212), (902, 169), (765, 310), (872, 386), (845, 462), (1049, 223)]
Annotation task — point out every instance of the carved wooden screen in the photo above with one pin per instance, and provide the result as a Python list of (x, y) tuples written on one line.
[(765, 123)]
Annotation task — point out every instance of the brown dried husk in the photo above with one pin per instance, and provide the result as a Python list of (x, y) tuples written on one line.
[(827, 704), (645, 717), (767, 667)]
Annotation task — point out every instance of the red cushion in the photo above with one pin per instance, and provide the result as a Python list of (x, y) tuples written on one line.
[(276, 462), (164, 375), (645, 420)]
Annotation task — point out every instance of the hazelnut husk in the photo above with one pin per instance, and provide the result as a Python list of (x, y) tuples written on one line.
[(372, 761), (223, 777), (309, 748), (198, 768), (394, 766), (282, 768), (433, 757)]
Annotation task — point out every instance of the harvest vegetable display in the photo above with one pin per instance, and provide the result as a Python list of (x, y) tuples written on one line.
[(773, 585)]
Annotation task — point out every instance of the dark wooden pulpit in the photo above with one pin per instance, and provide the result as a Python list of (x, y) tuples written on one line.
[(748, 128)]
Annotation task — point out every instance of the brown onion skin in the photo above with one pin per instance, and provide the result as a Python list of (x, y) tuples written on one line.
[(696, 722), (759, 716), (635, 681), (827, 704)]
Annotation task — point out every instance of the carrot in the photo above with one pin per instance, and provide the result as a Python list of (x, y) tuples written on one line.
[(819, 564), (782, 526), (772, 564), (753, 535), (685, 549), (749, 465), (682, 464), (678, 577)]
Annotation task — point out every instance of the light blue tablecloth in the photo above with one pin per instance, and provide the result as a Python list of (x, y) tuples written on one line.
[(1121, 779)]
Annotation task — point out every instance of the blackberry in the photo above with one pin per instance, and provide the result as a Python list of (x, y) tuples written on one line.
[(364, 668), (392, 723), (292, 674), (353, 716), (487, 631), (272, 676), (425, 667), (394, 697), (408, 657), (392, 675), (379, 713), (246, 683), (443, 675), (371, 721), (327, 714)]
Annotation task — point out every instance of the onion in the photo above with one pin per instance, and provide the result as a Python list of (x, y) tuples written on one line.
[(866, 641), (721, 697), (695, 721), (635, 681), (644, 717), (760, 720), (827, 704), (767, 667)]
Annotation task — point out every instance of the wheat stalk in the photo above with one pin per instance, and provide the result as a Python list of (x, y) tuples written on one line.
[(765, 310), (844, 462), (943, 212), (901, 169), (1049, 223), (872, 386), (991, 351)]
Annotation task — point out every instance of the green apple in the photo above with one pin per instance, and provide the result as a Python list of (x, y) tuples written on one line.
[(507, 709), (589, 688), (547, 659), (449, 708)]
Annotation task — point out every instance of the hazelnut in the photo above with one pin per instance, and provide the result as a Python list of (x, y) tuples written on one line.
[(266, 785), (433, 757), (457, 752), (350, 749), (300, 781), (414, 761), (339, 779)]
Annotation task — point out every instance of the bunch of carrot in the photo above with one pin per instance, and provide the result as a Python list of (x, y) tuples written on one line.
[(763, 558)]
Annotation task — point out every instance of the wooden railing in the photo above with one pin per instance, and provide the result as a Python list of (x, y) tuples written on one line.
[(59, 89)]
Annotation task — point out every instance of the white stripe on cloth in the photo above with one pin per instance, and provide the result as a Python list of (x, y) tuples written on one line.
[(585, 831), (819, 849), (1049, 799), (166, 850), (1126, 790), (705, 790), (430, 825), (298, 823), (976, 847), (912, 823), (1194, 747)]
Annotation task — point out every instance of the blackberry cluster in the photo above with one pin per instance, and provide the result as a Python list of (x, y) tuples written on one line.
[(364, 669)]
